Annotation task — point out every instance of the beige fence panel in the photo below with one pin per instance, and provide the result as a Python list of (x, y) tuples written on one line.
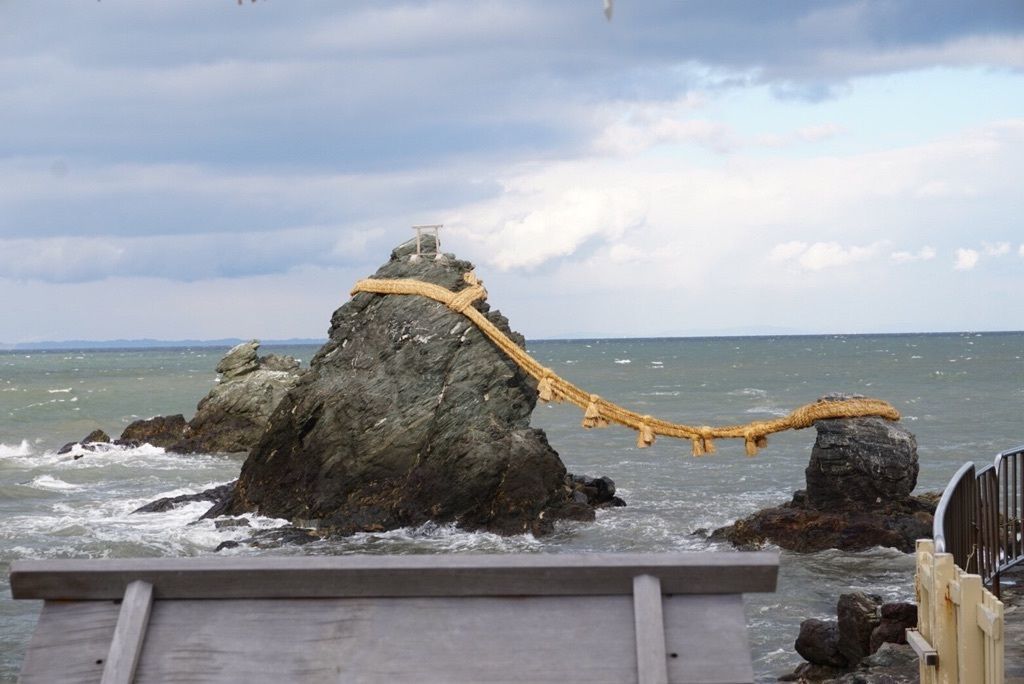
[(959, 638)]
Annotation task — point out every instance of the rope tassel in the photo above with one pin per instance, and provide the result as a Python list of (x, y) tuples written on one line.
[(645, 435), (545, 392), (592, 418)]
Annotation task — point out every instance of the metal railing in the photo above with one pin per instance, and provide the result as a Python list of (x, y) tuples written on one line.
[(978, 519)]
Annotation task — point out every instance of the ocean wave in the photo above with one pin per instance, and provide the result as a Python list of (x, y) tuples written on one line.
[(20, 451), (770, 410), (748, 392), (61, 390), (623, 361), (53, 484)]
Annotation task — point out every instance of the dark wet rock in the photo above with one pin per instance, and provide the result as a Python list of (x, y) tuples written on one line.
[(891, 664), (215, 494), (409, 414), (818, 643), (895, 619), (598, 492), (161, 431), (88, 442), (851, 649), (859, 478), (237, 410), (860, 462), (857, 615), (229, 544)]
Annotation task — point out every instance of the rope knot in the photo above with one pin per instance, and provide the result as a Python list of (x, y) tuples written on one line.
[(645, 435), (592, 418), (545, 388), (703, 441)]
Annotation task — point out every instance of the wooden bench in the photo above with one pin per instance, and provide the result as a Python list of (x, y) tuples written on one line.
[(451, 618)]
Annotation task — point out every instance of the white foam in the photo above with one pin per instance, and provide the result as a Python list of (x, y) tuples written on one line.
[(51, 483), (62, 390), (20, 451), (623, 361)]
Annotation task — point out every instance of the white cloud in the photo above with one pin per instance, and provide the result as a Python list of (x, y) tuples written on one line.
[(966, 259), (822, 255), (996, 249), (1021, 250), (924, 254)]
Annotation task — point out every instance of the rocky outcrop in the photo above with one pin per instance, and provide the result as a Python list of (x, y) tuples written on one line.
[(161, 431), (859, 480), (88, 443), (409, 414), (237, 410), (865, 643), (216, 495)]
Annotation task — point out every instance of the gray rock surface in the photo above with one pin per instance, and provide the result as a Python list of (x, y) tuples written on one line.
[(859, 479), (861, 461), (857, 615), (161, 431), (237, 410), (818, 643), (409, 414)]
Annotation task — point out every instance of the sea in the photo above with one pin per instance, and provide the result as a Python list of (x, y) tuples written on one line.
[(961, 394)]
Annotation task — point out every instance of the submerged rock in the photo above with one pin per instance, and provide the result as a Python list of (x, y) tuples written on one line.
[(88, 442), (859, 480), (215, 494), (409, 414)]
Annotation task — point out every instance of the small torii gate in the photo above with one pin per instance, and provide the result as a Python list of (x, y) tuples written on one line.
[(428, 229)]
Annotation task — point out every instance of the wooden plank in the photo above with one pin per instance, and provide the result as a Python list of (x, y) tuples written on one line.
[(649, 626), (129, 634), (411, 640), (928, 656), (355, 576), (70, 643), (970, 639), (706, 640)]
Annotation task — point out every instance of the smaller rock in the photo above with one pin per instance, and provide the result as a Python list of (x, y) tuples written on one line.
[(161, 431), (599, 492), (226, 545), (224, 523), (97, 436), (892, 664), (818, 643), (857, 615), (240, 360), (215, 494), (896, 619)]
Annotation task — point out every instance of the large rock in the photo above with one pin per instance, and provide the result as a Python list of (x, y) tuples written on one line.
[(860, 462), (859, 480), (237, 410), (408, 414)]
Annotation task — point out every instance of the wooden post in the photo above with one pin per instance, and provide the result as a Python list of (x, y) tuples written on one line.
[(651, 665), (990, 621), (971, 640), (943, 636), (923, 587), (126, 646)]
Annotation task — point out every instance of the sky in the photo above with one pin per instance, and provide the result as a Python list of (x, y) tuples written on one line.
[(207, 169)]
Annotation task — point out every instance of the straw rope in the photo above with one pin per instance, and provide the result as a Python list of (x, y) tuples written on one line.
[(598, 412)]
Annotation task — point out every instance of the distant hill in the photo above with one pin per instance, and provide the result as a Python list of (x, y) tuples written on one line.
[(149, 344)]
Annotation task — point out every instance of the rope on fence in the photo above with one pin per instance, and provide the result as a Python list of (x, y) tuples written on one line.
[(598, 412)]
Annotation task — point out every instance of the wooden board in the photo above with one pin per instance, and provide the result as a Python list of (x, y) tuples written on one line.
[(501, 618), (421, 640), (351, 576)]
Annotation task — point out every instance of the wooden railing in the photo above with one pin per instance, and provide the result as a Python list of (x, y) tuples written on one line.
[(978, 535)]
